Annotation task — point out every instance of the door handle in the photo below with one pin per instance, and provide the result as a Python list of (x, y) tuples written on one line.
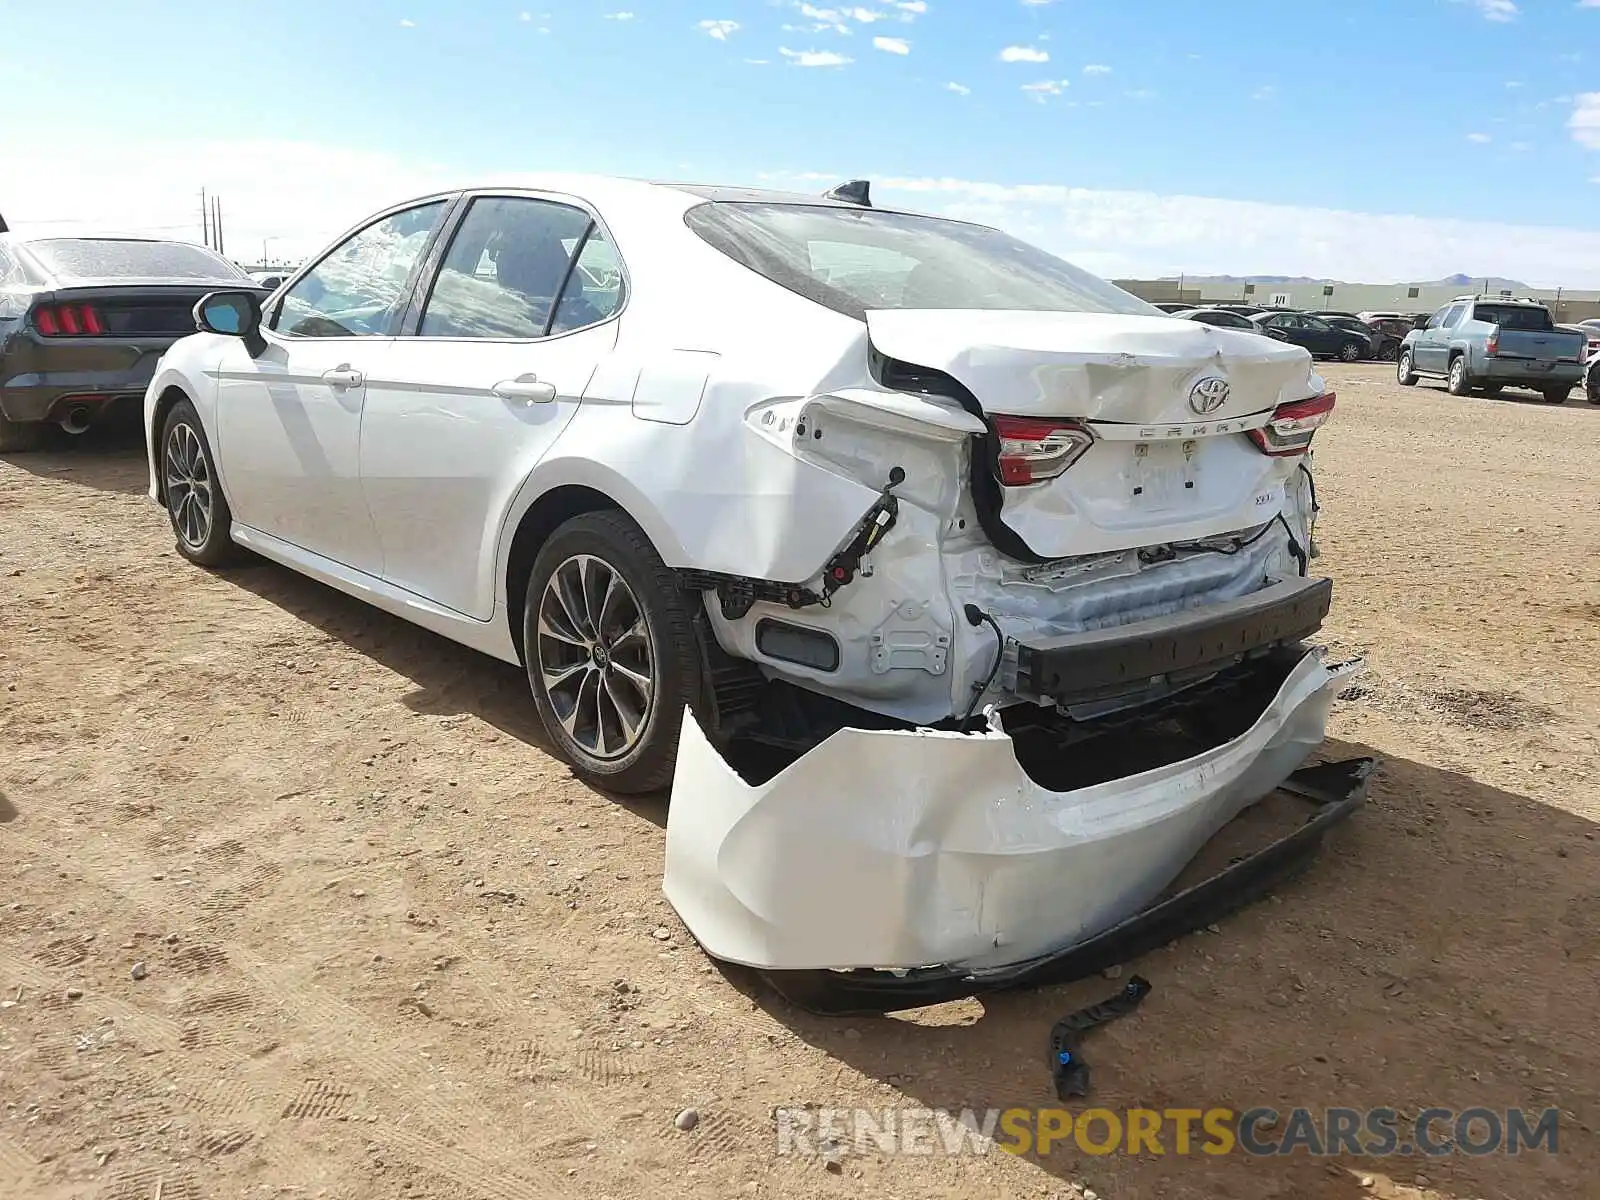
[(526, 388), (343, 376)]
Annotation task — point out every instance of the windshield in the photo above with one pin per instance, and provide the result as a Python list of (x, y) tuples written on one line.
[(858, 260), (112, 258)]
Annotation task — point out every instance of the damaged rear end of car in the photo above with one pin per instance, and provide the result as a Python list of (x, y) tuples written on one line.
[(1066, 643)]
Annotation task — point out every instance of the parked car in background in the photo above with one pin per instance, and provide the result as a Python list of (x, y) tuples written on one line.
[(1314, 334), (83, 322), (1484, 344), (1591, 332), (1219, 317), (1173, 306), (1388, 315), (1384, 346), (269, 279)]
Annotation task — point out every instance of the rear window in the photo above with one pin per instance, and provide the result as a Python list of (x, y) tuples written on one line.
[(111, 258), (857, 260), (1514, 316)]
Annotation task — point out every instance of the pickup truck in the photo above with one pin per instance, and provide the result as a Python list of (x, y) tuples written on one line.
[(1482, 344)]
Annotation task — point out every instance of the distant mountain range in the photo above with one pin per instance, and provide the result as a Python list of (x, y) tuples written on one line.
[(1488, 283)]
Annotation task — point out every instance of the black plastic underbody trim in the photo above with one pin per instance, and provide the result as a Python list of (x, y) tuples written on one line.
[(1077, 667), (1337, 788)]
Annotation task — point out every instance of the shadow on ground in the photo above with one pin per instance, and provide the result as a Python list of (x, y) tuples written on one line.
[(106, 458), (449, 679)]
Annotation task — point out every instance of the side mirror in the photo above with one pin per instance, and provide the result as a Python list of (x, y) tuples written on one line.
[(232, 314)]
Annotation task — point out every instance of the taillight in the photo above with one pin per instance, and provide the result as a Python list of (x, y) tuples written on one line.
[(1034, 449), (1292, 426), (68, 320), (1492, 346)]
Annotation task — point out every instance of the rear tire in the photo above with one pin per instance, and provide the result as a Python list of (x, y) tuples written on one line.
[(1350, 352), (1387, 353), (18, 437), (612, 658), (1459, 383), (196, 507), (1403, 373), (1556, 395)]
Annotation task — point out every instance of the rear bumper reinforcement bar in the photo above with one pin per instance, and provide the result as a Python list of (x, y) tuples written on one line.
[(1084, 666)]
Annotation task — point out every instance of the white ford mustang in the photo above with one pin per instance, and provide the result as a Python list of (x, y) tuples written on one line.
[(810, 470)]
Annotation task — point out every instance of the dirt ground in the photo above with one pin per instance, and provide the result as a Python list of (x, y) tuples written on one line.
[(392, 949)]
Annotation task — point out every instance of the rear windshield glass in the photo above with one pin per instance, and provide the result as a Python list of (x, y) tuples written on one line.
[(110, 258), (857, 260), (1514, 316)]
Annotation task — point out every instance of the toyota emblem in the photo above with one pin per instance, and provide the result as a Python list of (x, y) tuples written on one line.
[(1210, 394)]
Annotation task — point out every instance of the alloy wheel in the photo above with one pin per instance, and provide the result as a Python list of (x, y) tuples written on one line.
[(1350, 352), (188, 480), (595, 658)]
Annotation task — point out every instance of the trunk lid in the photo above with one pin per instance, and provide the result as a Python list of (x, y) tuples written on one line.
[(1169, 403)]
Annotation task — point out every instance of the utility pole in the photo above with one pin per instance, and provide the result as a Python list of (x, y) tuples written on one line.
[(217, 202), (205, 219)]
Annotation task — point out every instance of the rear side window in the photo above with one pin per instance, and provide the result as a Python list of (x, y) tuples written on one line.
[(114, 258), (857, 260), (1514, 316), (505, 271)]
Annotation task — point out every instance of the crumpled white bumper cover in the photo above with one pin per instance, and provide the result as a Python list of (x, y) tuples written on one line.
[(898, 850)]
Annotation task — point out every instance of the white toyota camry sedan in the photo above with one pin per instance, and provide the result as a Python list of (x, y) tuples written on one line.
[(816, 473)]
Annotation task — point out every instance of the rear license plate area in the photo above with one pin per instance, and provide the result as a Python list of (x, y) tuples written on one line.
[(1164, 475)]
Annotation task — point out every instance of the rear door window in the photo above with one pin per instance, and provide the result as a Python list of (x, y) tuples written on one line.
[(505, 269)]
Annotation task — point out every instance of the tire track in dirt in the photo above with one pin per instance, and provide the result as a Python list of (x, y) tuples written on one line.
[(327, 1025)]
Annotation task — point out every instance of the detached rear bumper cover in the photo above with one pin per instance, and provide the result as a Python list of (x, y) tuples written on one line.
[(907, 850)]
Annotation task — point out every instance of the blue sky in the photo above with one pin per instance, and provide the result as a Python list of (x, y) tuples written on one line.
[(1405, 137)]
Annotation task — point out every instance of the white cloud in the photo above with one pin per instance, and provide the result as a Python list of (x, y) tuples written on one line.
[(909, 10), (405, 23), (959, 89), (758, 62), (1143, 235), (891, 45), (719, 29), (1480, 138), (1513, 84), (1585, 120), (865, 15), (1045, 88), (1494, 10), (1036, 3), (1097, 69), (619, 16), (814, 58), (1266, 92), (1024, 54), (1141, 94)]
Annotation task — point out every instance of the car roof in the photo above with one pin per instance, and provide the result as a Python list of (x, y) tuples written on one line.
[(610, 191)]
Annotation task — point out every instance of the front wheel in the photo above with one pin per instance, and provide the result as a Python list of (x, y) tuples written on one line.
[(1386, 353), (195, 504), (1403, 373), (612, 659), (1350, 352), (1460, 383)]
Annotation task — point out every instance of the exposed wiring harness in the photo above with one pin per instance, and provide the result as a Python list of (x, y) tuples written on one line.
[(975, 617)]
